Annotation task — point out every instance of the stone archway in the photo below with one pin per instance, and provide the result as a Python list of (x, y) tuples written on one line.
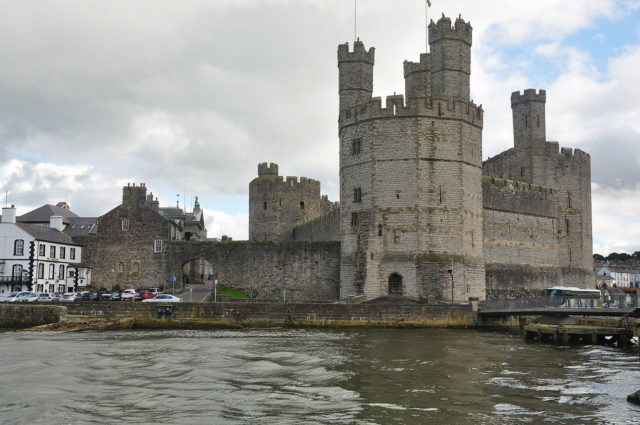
[(395, 284), (197, 271)]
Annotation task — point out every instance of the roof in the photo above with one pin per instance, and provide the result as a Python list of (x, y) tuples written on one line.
[(80, 226), (46, 234), (44, 213)]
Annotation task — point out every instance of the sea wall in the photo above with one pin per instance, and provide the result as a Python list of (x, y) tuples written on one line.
[(301, 314), (14, 316)]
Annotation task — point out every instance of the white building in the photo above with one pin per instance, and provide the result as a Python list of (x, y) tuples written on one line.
[(37, 258), (623, 276)]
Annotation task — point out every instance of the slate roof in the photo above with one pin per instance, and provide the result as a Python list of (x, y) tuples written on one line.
[(44, 213), (46, 234), (80, 226)]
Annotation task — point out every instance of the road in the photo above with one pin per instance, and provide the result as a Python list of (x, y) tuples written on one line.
[(197, 295)]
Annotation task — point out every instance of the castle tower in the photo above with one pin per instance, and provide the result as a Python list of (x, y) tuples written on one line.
[(277, 205), (410, 175), (450, 57), (356, 74)]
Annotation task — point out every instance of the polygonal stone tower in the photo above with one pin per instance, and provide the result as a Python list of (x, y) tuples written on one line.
[(410, 174)]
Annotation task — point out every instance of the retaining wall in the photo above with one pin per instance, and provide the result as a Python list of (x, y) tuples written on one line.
[(26, 316)]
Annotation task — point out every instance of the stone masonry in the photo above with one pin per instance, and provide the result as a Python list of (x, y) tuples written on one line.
[(419, 210)]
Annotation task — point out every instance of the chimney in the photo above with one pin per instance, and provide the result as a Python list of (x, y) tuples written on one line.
[(55, 222), (9, 214)]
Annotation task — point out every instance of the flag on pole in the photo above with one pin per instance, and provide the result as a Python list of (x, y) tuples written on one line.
[(429, 3)]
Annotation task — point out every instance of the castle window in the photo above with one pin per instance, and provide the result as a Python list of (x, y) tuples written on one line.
[(468, 288), (356, 147), (120, 267), (526, 121), (397, 196), (354, 219), (357, 195), (52, 251), (264, 205), (157, 245), (379, 229), (41, 250), (301, 205), (538, 120), (136, 267), (125, 224), (521, 171)]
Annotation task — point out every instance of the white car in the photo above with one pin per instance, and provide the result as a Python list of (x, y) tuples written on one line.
[(163, 298), (16, 296), (70, 297), (4, 298), (128, 294), (27, 297), (48, 297)]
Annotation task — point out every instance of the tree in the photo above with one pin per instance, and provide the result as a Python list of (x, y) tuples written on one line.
[(598, 257)]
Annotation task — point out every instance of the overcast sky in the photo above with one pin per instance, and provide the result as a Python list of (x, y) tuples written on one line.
[(188, 96)]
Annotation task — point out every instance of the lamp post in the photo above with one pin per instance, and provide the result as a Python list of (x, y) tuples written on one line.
[(215, 291), (451, 273)]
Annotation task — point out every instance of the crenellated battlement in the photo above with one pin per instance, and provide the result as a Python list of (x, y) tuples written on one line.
[(395, 106), (413, 67), (267, 169), (529, 95), (359, 53), (443, 29)]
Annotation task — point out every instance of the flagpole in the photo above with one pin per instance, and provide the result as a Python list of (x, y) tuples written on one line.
[(426, 19), (355, 20)]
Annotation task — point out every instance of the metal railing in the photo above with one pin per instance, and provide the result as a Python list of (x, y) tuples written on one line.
[(14, 279), (622, 302)]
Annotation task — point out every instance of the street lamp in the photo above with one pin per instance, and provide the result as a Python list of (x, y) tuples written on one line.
[(451, 273), (215, 291)]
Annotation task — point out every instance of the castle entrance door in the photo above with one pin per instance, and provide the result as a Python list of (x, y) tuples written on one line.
[(395, 284)]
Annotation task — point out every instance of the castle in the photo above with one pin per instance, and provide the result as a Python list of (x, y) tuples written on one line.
[(420, 213)]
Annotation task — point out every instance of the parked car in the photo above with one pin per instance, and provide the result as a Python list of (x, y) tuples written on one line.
[(27, 297), (154, 291), (48, 297), (146, 294), (105, 297), (115, 296), (70, 296), (128, 295), (6, 297), (89, 296), (163, 298)]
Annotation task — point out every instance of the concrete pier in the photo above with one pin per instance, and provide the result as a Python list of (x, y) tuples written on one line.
[(577, 334)]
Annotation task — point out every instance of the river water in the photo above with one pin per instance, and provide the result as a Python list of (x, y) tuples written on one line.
[(310, 377)]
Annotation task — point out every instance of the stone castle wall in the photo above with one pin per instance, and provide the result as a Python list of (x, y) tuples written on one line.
[(323, 228), (302, 270)]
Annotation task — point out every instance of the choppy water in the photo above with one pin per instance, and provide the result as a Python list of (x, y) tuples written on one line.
[(310, 377)]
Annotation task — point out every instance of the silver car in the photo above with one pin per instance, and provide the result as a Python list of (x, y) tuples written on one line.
[(16, 296)]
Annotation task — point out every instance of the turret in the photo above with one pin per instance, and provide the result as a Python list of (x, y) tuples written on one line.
[(417, 83), (355, 74), (528, 118), (450, 57), (267, 169)]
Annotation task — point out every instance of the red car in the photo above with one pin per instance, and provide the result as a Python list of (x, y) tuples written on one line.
[(146, 294)]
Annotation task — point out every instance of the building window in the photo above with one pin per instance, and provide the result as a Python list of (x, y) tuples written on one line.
[(157, 245), (468, 288), (301, 205), (356, 147), (379, 229), (125, 224), (52, 271), (52, 251), (16, 272), (61, 271), (63, 251), (41, 250), (357, 195), (395, 284), (72, 253), (264, 206), (71, 273), (136, 267), (81, 273), (120, 267), (41, 271), (354, 218), (18, 247)]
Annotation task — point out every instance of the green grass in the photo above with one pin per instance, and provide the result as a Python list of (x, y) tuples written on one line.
[(233, 293)]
